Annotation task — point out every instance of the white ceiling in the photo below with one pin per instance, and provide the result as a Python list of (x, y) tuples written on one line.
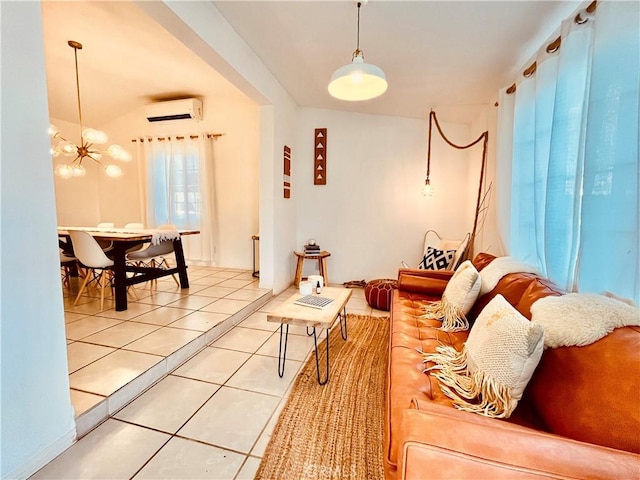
[(451, 55)]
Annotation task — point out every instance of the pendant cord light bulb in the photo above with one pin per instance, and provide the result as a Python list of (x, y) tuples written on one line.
[(427, 190), (357, 80)]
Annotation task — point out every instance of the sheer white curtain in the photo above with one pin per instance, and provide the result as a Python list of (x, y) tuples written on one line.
[(177, 187), (574, 137)]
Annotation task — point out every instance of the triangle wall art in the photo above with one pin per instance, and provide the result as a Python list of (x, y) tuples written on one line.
[(320, 157)]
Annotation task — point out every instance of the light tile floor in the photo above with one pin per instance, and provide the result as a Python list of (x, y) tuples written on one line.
[(213, 414)]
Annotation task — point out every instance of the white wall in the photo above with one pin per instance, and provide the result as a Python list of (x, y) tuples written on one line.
[(371, 215), (37, 418)]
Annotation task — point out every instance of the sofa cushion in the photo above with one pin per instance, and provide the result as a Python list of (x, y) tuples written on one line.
[(426, 286), (511, 287), (406, 380), (592, 393), (481, 260), (538, 288), (440, 442)]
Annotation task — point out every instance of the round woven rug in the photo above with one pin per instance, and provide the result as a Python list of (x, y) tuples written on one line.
[(335, 430)]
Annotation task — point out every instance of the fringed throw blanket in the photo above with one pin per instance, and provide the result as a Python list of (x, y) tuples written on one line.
[(578, 319), (491, 372), (498, 268), (458, 298), (159, 236)]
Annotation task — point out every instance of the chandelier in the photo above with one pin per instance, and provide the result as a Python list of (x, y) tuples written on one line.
[(90, 138), (357, 80)]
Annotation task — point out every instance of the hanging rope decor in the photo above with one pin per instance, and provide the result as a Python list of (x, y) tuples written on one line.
[(484, 137)]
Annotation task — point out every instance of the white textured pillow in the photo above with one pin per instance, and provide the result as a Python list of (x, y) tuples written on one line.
[(505, 346), (459, 296), (463, 287), (491, 372), (578, 319)]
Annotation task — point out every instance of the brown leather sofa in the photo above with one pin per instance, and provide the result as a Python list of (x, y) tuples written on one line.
[(579, 416)]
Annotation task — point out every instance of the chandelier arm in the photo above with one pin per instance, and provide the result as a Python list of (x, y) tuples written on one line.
[(96, 160)]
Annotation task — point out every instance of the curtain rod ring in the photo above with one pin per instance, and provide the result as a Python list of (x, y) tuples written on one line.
[(554, 46), (531, 70), (579, 20)]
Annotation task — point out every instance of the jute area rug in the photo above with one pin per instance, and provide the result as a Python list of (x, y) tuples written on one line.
[(335, 430)]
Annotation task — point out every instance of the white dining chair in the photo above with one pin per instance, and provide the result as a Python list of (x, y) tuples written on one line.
[(134, 226), (105, 245), (66, 264), (94, 259), (154, 255)]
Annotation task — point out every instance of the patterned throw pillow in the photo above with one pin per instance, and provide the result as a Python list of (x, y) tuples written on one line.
[(436, 259)]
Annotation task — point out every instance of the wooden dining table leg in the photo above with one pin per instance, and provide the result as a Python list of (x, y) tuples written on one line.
[(180, 263), (120, 275)]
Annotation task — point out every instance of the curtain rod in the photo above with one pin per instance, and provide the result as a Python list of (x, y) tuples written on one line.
[(554, 46), (177, 137)]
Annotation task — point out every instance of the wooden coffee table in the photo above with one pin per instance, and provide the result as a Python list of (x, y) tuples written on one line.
[(291, 314)]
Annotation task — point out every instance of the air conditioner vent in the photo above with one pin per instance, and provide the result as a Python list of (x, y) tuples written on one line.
[(174, 110)]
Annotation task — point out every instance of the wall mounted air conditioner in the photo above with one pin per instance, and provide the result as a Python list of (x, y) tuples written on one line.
[(187, 109)]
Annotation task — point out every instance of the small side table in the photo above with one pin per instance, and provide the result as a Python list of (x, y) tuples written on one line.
[(322, 265)]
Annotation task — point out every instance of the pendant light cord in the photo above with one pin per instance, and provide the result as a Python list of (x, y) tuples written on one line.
[(76, 46), (358, 30)]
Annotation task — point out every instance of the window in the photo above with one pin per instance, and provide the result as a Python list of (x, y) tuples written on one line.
[(175, 175), (575, 171)]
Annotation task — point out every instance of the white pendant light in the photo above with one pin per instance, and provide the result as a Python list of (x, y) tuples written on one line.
[(358, 80)]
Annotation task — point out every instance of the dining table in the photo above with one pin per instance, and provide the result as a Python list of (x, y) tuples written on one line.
[(125, 239)]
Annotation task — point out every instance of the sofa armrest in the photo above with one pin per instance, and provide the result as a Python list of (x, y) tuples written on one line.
[(440, 274), (426, 282), (441, 442)]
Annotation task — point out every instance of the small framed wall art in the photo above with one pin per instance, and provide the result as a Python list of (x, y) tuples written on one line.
[(287, 172), (320, 157)]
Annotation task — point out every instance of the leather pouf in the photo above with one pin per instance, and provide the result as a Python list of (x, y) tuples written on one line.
[(378, 293)]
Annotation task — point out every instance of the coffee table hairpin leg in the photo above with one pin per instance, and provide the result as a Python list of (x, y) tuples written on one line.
[(343, 321), (343, 332), (282, 356), (282, 349), (315, 343)]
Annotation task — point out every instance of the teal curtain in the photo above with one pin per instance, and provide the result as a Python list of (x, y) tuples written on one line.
[(575, 206), (610, 215)]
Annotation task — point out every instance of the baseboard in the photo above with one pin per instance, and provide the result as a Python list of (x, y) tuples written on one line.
[(44, 456)]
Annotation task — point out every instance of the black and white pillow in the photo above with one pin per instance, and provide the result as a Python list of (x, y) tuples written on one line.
[(435, 259)]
